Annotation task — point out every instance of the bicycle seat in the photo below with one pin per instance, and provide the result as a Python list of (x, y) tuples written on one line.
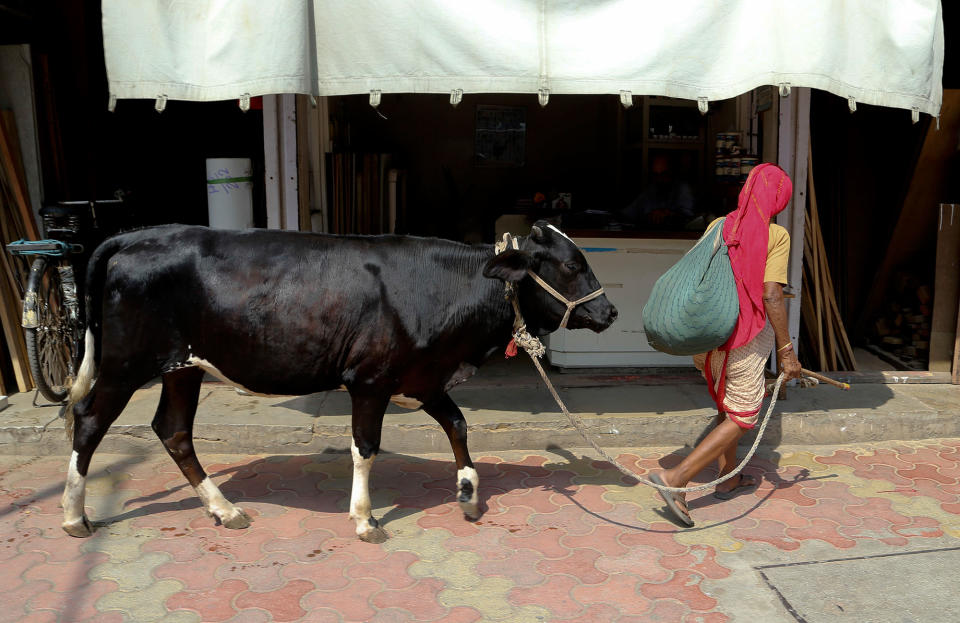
[(66, 208)]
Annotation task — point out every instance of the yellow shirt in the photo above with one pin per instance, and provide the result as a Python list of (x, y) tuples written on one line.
[(778, 253)]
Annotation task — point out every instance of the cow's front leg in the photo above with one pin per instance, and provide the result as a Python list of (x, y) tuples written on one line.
[(367, 422), (448, 415)]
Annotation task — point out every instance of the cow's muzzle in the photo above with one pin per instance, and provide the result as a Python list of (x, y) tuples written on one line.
[(570, 304), (597, 317)]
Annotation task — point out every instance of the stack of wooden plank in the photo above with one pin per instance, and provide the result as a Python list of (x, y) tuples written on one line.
[(819, 309), (16, 222), (359, 203)]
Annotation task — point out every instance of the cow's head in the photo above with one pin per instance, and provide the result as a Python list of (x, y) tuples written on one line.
[(550, 255)]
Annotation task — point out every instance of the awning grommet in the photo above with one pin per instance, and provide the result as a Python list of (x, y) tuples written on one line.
[(112, 103), (703, 105), (244, 102), (626, 98), (161, 104), (375, 98), (456, 96), (544, 97), (852, 103), (915, 114), (784, 89)]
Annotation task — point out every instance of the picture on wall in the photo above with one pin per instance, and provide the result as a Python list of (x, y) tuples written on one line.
[(500, 136)]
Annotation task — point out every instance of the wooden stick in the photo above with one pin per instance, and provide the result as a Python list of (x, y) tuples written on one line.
[(825, 379), (817, 304), (846, 357), (9, 160)]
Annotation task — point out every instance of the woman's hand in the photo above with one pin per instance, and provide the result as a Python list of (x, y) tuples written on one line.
[(789, 365), (787, 360)]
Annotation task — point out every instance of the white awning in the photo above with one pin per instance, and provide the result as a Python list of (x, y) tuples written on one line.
[(883, 52)]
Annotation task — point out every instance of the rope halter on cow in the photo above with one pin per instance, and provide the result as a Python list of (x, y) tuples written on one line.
[(521, 336)]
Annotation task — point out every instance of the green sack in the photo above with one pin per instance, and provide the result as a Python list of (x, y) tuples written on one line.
[(693, 307)]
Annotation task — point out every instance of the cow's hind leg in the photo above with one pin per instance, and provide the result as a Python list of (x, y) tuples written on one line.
[(173, 424), (367, 422), (93, 414), (448, 415)]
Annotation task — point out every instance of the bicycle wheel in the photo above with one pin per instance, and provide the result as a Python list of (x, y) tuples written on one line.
[(53, 345)]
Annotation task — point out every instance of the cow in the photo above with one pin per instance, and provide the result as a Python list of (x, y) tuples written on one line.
[(388, 318)]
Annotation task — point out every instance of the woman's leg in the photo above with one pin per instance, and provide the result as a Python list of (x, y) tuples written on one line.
[(720, 442)]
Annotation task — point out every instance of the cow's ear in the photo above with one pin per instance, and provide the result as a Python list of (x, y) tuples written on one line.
[(511, 265)]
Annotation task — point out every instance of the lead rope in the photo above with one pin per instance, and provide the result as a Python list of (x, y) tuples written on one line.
[(535, 349), (582, 429)]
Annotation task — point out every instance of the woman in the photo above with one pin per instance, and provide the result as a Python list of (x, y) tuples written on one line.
[(758, 251)]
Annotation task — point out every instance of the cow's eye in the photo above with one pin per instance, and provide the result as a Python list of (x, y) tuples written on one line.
[(572, 266)]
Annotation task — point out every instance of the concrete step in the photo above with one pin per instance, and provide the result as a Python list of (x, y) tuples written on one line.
[(509, 408)]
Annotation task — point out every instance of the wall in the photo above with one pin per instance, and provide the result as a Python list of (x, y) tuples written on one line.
[(16, 94)]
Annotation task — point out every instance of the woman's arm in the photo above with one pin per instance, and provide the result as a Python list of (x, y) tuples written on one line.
[(777, 314)]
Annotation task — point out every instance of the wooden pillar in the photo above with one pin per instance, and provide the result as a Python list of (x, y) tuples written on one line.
[(280, 161), (793, 146)]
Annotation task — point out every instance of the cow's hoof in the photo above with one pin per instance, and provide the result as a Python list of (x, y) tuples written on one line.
[(376, 536), (471, 510), (467, 499), (238, 520), (80, 528), (373, 533)]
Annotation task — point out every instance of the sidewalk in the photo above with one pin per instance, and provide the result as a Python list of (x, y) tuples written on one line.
[(507, 407), (832, 534)]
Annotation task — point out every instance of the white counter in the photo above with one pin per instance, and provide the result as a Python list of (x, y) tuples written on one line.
[(627, 269)]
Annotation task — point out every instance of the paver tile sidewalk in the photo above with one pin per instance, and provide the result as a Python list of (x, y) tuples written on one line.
[(564, 538)]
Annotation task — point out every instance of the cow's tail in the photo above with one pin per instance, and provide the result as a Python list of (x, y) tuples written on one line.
[(93, 300)]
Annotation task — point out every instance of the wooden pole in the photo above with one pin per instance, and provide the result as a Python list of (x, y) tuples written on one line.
[(9, 159)]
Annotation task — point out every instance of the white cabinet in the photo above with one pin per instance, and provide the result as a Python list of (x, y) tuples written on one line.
[(627, 269)]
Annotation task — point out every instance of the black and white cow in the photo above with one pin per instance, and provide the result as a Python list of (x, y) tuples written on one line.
[(387, 317)]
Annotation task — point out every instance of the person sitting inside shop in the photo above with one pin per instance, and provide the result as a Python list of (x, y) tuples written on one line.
[(665, 201)]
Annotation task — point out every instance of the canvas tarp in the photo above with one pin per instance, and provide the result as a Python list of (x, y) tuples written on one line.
[(884, 52)]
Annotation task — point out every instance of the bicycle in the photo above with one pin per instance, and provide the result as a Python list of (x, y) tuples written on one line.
[(53, 315)]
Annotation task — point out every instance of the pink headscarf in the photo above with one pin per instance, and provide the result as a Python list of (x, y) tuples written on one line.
[(746, 232)]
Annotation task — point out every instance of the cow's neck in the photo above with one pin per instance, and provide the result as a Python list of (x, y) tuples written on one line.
[(494, 314)]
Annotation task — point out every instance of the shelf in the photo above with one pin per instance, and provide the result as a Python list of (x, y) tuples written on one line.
[(691, 145)]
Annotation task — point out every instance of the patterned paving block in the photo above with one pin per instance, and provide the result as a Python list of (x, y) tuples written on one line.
[(564, 536)]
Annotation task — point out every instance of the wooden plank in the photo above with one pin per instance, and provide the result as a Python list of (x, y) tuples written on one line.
[(814, 226), (946, 288), (956, 353), (303, 162), (10, 319), (271, 162), (825, 281), (287, 128), (796, 225), (10, 161)]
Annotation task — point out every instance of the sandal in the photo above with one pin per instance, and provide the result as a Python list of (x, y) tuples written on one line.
[(747, 484), (672, 500)]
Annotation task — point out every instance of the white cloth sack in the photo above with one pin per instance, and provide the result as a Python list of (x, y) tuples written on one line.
[(883, 52)]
